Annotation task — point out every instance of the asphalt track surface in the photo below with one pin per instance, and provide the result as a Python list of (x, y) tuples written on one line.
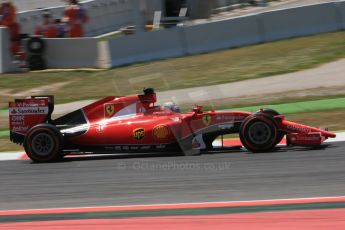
[(296, 173)]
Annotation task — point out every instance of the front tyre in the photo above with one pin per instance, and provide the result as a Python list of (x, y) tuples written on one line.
[(43, 143), (272, 113), (259, 133)]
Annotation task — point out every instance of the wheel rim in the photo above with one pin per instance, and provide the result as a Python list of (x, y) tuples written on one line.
[(36, 45), (259, 133), (42, 144)]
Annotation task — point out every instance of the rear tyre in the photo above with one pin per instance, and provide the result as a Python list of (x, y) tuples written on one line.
[(259, 133), (270, 112), (43, 143)]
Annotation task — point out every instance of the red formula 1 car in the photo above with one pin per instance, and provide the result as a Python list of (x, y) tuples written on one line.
[(134, 124)]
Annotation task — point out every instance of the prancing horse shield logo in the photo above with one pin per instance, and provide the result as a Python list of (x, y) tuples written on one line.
[(207, 119), (109, 110)]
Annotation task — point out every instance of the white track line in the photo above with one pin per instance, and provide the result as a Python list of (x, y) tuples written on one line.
[(340, 137), (10, 156), (311, 199)]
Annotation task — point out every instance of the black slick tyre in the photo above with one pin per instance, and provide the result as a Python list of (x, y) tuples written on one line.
[(36, 45), (43, 143), (272, 113), (259, 133)]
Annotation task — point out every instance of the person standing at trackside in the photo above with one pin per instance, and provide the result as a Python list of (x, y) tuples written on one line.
[(8, 19), (61, 28), (7, 13), (75, 16), (47, 29)]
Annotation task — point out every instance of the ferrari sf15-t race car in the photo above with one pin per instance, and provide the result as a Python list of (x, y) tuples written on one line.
[(135, 124)]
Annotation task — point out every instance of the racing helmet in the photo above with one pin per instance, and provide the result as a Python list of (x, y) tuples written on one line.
[(172, 107)]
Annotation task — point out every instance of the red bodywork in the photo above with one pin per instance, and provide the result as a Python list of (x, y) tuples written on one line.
[(136, 124), (298, 134)]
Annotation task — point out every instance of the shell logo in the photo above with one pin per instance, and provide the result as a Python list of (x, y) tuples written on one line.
[(161, 132)]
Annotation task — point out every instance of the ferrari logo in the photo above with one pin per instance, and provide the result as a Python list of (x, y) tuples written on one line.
[(207, 119), (109, 110), (139, 134)]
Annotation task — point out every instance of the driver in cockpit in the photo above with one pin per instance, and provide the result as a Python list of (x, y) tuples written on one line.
[(171, 106)]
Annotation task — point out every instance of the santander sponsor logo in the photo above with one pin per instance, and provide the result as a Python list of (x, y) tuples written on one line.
[(28, 110)]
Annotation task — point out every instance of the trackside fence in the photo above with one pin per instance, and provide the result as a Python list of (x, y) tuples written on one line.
[(195, 39), (230, 33)]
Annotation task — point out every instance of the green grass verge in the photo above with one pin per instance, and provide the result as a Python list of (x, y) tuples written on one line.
[(4, 134), (225, 66), (301, 107)]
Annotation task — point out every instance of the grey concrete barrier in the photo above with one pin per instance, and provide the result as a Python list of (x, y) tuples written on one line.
[(299, 21), (341, 13), (30, 19), (104, 16), (235, 32), (26, 5), (104, 57), (71, 53), (146, 46), (222, 34)]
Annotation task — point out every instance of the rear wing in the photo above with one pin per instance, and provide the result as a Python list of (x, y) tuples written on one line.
[(28, 112)]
